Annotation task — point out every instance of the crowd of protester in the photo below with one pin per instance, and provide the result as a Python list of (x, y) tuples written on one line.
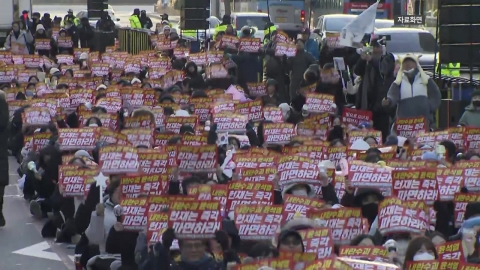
[(166, 101)]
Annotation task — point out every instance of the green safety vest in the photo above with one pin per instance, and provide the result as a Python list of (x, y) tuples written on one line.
[(269, 31), (75, 21), (454, 69), (221, 28), (135, 22), (189, 33)]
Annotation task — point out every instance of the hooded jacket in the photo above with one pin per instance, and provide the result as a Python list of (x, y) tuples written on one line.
[(24, 38), (414, 96), (471, 117), (196, 79)]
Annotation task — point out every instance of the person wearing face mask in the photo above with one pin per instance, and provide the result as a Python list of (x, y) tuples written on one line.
[(420, 249), (413, 92), (365, 198), (42, 34), (471, 116), (376, 69), (18, 40)]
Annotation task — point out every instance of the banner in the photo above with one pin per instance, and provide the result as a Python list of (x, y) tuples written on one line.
[(240, 192), (345, 223), (354, 117), (257, 222), (416, 185), (288, 49), (197, 158), (461, 201), (363, 175), (277, 264), (157, 204), (432, 138), (472, 137), (296, 205), (73, 179), (296, 169), (140, 136), (356, 135), (278, 133), (40, 140), (249, 45), (273, 114), (410, 127), (174, 123), (336, 153), (251, 108), (36, 116), (318, 241), (313, 152), (134, 216), (193, 220), (320, 103), (132, 186), (397, 216), (111, 137), (231, 123), (451, 251), (118, 159), (378, 254), (157, 223), (77, 138), (471, 174), (449, 181), (205, 192)]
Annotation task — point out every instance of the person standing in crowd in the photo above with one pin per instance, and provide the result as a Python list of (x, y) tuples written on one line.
[(4, 175), (135, 19), (85, 33), (26, 20), (18, 40), (105, 23), (42, 34), (145, 20), (310, 45), (297, 66), (46, 21), (413, 92), (226, 21), (72, 32), (71, 18), (376, 70), (35, 22), (471, 116)]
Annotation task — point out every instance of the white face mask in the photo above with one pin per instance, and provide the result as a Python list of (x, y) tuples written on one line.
[(93, 125), (423, 257), (300, 192), (410, 71)]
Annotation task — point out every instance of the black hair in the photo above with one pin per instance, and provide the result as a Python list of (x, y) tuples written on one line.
[(112, 186), (167, 111), (174, 140), (451, 149), (359, 238), (99, 122), (75, 159), (371, 137)]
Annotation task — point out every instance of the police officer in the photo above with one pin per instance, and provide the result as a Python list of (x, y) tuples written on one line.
[(226, 20), (270, 31), (454, 69), (135, 19), (70, 17)]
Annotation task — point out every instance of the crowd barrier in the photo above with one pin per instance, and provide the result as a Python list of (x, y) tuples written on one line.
[(134, 41)]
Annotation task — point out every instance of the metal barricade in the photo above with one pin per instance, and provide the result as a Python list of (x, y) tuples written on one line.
[(134, 41)]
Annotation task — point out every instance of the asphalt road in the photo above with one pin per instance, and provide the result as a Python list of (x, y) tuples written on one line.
[(21, 244)]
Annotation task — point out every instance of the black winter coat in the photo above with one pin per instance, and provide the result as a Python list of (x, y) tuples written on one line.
[(4, 134)]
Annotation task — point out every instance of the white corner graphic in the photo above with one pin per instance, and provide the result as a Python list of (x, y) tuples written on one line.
[(38, 251)]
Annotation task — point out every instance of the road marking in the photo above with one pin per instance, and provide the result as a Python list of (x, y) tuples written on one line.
[(38, 251)]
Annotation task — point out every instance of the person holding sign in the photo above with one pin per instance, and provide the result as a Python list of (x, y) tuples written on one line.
[(43, 44), (471, 116), (17, 41), (413, 92)]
